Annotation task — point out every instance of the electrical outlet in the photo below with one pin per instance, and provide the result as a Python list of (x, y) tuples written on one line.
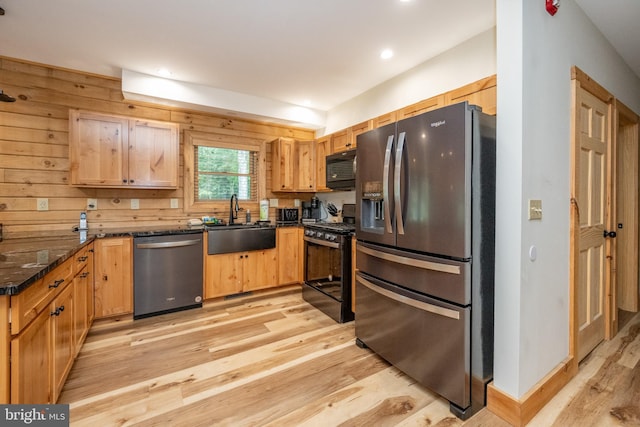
[(296, 203), (135, 203), (535, 209), (92, 204), (273, 203), (43, 204), (174, 203)]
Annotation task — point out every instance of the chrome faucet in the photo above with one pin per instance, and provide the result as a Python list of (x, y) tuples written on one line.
[(233, 210)]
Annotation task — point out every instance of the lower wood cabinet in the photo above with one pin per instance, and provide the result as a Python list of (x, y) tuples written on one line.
[(228, 274), (32, 362), (113, 276), (290, 253), (52, 318), (62, 338)]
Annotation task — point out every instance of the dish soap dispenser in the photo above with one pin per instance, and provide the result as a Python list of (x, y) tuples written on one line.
[(83, 221)]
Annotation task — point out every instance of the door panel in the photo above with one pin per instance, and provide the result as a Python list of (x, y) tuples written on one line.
[(593, 188), (436, 182), (374, 186), (388, 317)]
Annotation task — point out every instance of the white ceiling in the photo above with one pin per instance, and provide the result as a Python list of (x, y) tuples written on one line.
[(325, 51)]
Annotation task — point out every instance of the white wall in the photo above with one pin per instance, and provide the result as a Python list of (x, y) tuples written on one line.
[(535, 52), (472, 60)]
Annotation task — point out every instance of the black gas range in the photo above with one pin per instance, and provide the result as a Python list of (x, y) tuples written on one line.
[(327, 268)]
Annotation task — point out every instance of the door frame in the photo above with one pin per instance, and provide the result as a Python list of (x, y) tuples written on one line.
[(626, 128)]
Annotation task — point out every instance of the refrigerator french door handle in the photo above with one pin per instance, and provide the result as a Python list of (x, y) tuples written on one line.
[(411, 262), (424, 306), (385, 185), (396, 183)]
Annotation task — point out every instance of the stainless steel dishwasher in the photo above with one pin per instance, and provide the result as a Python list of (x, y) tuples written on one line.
[(167, 273)]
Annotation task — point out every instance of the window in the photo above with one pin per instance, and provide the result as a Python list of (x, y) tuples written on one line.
[(218, 166), (221, 172)]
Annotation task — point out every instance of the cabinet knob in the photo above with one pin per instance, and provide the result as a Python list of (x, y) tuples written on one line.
[(131, 181), (124, 181), (105, 277)]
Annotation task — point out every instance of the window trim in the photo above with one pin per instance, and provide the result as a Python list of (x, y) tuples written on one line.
[(193, 139)]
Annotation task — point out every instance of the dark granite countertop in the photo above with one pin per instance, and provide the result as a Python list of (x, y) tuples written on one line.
[(25, 260)]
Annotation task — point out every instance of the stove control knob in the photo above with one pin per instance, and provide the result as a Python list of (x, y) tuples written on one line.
[(320, 235), (332, 237)]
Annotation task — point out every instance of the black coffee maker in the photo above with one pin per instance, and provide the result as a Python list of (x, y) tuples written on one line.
[(311, 211)]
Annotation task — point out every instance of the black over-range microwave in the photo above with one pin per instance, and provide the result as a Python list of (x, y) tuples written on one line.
[(341, 170)]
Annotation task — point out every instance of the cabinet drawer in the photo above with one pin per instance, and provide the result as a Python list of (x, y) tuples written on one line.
[(80, 259), (26, 305)]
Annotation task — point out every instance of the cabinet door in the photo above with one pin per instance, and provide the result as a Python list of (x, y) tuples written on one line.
[(223, 275), (340, 141), (288, 242), (80, 308), (305, 166), (323, 149), (260, 269), (113, 276), (31, 363), (62, 338), (282, 164), (153, 154), (97, 145)]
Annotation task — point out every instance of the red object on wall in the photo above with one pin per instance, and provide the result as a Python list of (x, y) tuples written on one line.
[(552, 6)]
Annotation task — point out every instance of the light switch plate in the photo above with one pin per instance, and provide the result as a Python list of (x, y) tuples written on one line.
[(43, 204), (174, 203), (92, 204), (273, 203), (535, 209), (135, 203)]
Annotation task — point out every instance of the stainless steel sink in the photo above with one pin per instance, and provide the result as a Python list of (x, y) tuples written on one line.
[(223, 239)]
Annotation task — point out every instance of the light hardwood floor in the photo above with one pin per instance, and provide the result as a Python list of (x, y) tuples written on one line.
[(271, 359)]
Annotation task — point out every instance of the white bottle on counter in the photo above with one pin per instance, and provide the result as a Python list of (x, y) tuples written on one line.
[(83, 221), (264, 210)]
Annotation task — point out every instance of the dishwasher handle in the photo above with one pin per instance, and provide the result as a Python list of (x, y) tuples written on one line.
[(163, 245)]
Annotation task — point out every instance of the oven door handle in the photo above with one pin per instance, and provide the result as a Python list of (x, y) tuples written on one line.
[(322, 242), (424, 306)]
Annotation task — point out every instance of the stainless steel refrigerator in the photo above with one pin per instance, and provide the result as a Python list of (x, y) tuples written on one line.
[(425, 203)]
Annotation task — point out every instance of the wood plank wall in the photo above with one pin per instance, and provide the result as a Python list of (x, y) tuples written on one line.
[(34, 152)]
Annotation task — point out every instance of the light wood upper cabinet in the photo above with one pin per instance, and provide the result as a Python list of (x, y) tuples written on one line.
[(115, 151), (323, 149), (340, 141), (153, 154), (113, 276), (421, 107), (293, 165), (305, 166), (282, 165)]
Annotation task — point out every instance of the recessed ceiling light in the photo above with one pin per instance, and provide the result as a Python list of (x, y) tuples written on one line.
[(386, 54), (163, 72)]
